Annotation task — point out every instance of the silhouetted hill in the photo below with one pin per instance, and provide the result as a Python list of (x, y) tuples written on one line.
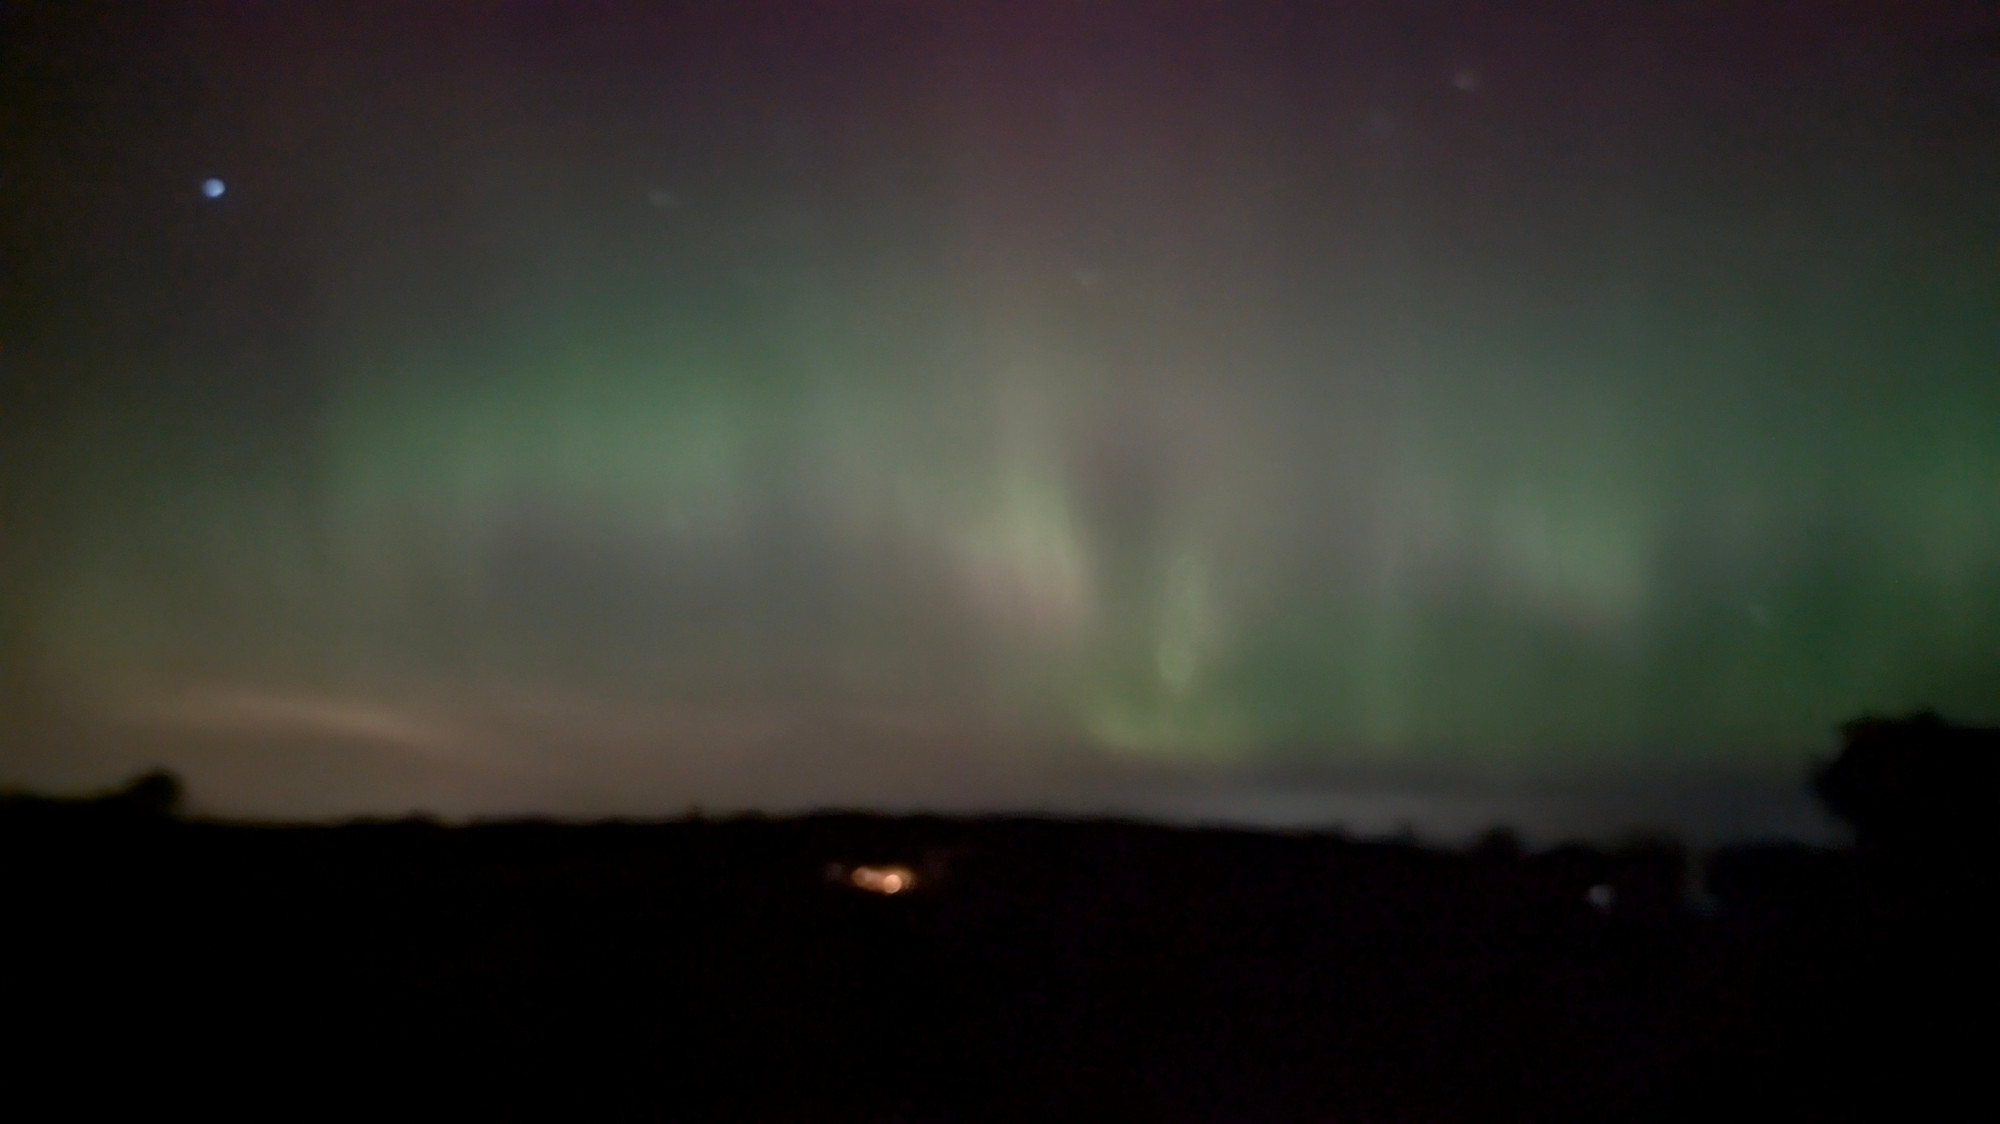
[(1022, 969)]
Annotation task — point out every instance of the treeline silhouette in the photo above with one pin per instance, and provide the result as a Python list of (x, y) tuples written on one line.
[(1022, 968)]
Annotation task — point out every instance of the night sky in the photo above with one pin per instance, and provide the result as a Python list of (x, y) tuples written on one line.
[(1434, 412)]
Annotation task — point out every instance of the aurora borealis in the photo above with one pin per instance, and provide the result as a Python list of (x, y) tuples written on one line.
[(611, 408)]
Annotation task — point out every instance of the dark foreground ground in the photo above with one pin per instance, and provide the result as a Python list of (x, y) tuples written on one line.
[(1039, 970)]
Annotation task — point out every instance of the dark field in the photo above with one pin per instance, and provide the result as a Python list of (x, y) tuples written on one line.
[(1035, 970)]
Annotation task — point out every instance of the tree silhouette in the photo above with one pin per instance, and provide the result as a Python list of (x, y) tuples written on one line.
[(156, 793), (1915, 786)]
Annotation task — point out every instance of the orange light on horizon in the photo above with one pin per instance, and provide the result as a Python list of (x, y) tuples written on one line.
[(883, 879)]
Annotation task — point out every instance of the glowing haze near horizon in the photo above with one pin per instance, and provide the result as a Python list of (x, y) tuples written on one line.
[(1190, 409)]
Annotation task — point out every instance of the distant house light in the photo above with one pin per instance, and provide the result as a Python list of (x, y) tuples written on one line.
[(883, 879)]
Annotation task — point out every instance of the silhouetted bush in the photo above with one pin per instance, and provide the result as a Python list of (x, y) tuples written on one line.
[(151, 796), (157, 793), (1915, 785)]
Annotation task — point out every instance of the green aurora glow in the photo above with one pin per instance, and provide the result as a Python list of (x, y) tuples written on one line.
[(611, 385)]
